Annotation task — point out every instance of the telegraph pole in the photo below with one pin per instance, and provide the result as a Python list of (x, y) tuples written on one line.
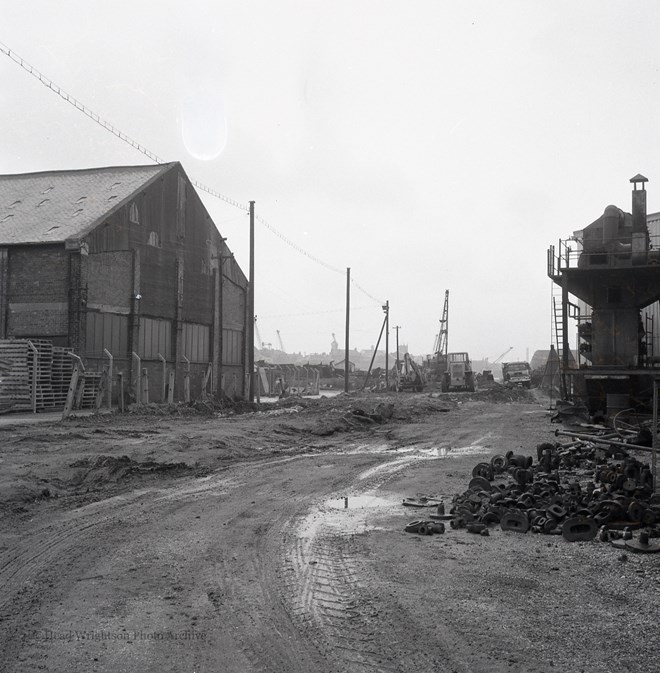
[(348, 318), (250, 322), (386, 308), (397, 328)]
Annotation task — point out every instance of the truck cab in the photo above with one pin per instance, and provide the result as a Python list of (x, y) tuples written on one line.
[(458, 374), (517, 374)]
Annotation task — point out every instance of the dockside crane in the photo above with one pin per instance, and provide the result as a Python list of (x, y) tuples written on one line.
[(279, 340), (440, 345), (438, 364), (508, 350)]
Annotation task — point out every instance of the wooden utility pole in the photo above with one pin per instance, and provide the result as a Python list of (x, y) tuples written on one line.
[(250, 320), (348, 318), (373, 357), (386, 308), (397, 328)]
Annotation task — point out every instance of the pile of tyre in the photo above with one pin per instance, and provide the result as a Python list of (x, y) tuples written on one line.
[(575, 491)]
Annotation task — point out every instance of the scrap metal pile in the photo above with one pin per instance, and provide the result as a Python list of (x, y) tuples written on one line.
[(578, 490)]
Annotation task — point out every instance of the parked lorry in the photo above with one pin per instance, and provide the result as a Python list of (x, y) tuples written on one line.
[(458, 374), (517, 374)]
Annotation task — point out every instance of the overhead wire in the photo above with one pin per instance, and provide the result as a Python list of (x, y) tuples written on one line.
[(304, 313), (94, 116)]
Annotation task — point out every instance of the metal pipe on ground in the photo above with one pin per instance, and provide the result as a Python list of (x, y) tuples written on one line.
[(600, 440)]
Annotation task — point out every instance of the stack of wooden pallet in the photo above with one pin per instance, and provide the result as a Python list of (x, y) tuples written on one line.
[(41, 379), (62, 369), (35, 376), (15, 382)]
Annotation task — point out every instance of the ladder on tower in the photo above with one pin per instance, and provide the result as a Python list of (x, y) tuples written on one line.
[(558, 336), (649, 338)]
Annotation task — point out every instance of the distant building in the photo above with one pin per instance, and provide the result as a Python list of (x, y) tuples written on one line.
[(541, 358), (342, 366), (124, 259)]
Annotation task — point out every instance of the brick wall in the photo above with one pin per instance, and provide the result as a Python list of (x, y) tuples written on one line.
[(233, 305), (38, 291), (110, 280)]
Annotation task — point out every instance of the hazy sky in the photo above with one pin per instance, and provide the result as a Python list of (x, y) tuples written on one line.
[(428, 145)]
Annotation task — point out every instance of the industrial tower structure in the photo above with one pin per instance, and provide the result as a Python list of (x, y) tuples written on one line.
[(608, 273)]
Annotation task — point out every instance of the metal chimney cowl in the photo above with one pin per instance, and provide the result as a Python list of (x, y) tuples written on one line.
[(640, 234)]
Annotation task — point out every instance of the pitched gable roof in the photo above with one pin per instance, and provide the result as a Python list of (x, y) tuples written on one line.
[(54, 206)]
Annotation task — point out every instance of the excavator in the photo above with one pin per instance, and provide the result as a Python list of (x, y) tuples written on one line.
[(409, 376), (487, 374)]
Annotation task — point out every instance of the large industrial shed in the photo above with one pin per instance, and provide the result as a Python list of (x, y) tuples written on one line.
[(124, 261)]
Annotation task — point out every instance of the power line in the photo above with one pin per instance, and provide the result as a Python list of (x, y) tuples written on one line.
[(154, 157), (297, 247), (291, 315)]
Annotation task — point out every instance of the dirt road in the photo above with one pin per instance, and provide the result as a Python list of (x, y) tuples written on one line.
[(275, 541)]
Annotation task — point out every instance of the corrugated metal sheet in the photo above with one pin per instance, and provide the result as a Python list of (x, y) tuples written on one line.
[(196, 342), (232, 347), (109, 331), (155, 338)]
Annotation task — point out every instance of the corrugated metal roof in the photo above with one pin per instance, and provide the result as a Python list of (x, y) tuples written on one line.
[(54, 206)]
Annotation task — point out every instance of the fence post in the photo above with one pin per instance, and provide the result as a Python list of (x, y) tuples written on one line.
[(137, 369), (103, 382), (33, 383), (78, 369), (120, 376), (145, 386), (108, 354), (164, 385), (170, 391), (186, 381), (73, 384), (205, 380)]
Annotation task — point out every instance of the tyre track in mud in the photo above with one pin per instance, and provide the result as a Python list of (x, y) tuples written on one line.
[(51, 541), (284, 603), (288, 603), (254, 597), (326, 586), (48, 551)]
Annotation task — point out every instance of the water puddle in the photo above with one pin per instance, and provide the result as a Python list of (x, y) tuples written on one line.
[(346, 515), (425, 450), (358, 502), (444, 451), (368, 448)]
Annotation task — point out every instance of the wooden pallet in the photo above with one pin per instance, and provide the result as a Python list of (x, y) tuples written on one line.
[(46, 375), (15, 380)]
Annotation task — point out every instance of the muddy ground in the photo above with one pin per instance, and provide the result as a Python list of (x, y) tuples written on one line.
[(194, 541)]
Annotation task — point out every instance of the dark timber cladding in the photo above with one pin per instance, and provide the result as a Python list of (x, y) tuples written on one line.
[(125, 260)]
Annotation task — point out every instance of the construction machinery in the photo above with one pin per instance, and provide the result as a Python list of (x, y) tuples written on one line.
[(486, 376), (408, 376), (440, 345), (437, 363), (458, 374), (517, 374), (508, 350)]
